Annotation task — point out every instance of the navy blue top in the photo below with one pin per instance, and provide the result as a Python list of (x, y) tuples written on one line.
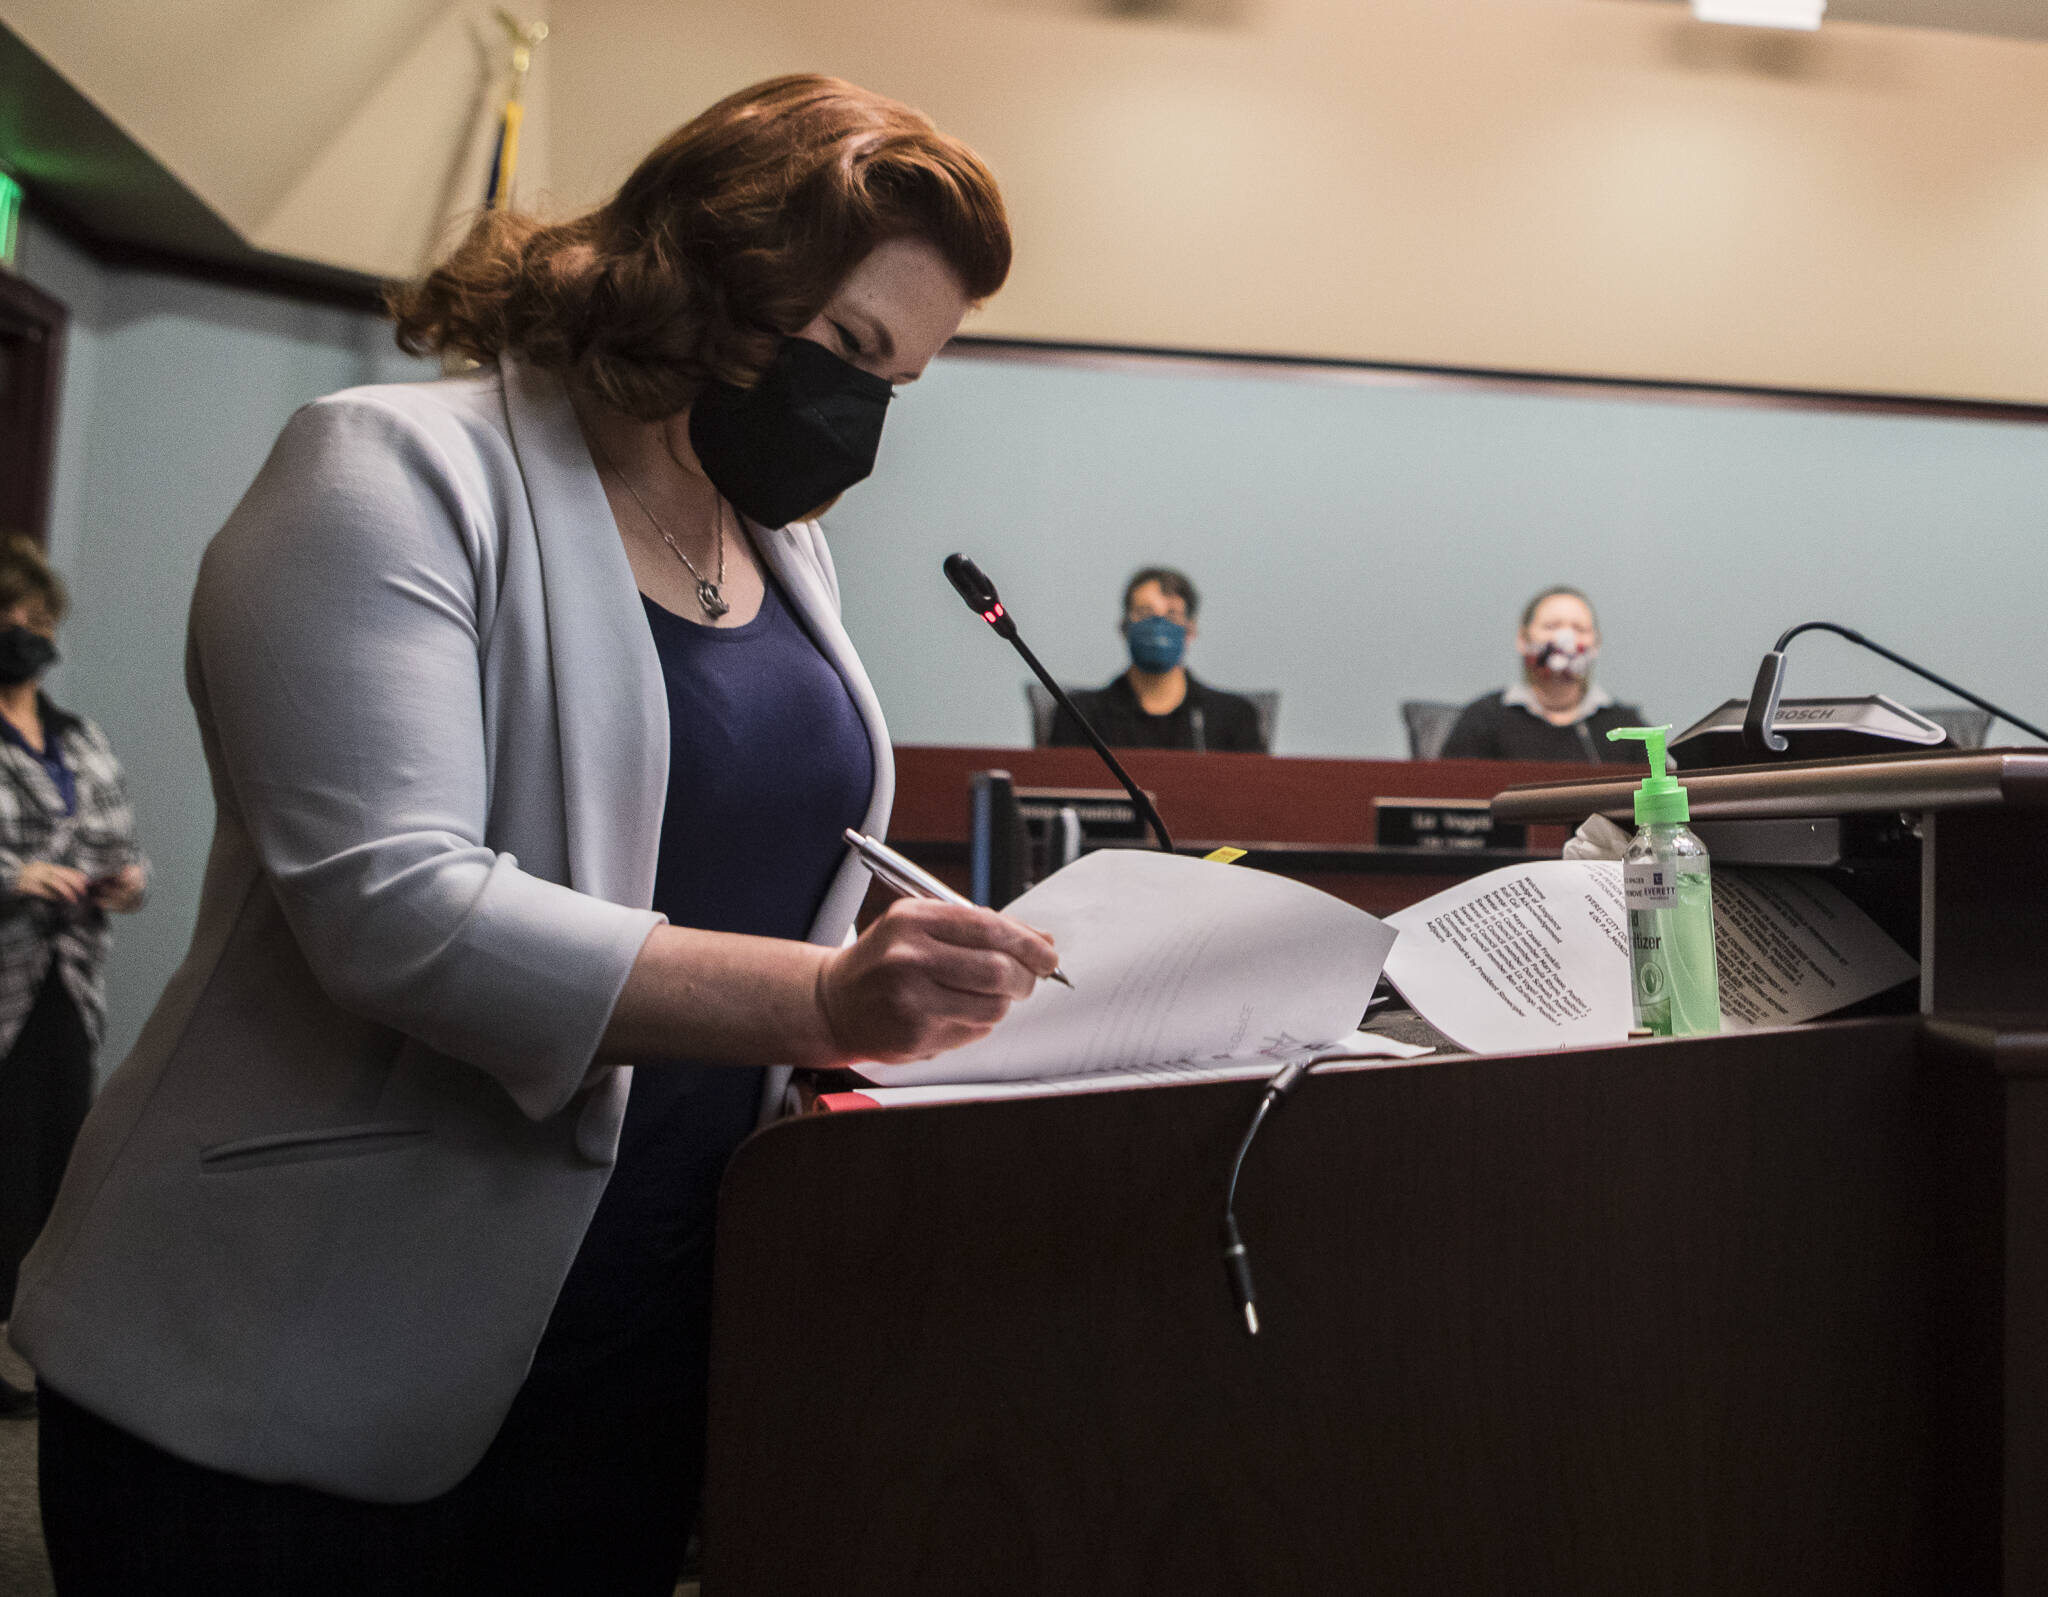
[(51, 756), (768, 764)]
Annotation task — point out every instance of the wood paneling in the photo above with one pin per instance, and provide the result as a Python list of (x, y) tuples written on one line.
[(1215, 798), (1653, 1318), (32, 328), (1311, 819)]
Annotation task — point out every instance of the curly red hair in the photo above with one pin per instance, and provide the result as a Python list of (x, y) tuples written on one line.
[(729, 235)]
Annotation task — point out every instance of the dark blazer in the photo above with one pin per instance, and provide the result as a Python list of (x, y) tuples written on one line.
[(1208, 718), (1493, 728)]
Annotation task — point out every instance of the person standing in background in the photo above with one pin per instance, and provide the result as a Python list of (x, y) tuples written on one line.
[(1556, 711), (67, 859), (1158, 703)]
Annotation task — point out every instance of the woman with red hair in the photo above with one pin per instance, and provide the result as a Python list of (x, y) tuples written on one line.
[(384, 1260)]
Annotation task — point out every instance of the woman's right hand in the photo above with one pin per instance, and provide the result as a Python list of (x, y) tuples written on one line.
[(60, 884), (926, 977)]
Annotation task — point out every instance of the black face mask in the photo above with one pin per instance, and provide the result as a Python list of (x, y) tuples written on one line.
[(805, 433), (24, 654)]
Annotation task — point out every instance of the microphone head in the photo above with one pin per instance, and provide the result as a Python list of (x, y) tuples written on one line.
[(972, 584), (1759, 736), (971, 581)]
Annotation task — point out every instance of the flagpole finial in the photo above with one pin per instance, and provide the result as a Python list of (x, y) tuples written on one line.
[(505, 158), (523, 36)]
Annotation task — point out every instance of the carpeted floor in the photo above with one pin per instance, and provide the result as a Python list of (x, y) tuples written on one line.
[(23, 1570)]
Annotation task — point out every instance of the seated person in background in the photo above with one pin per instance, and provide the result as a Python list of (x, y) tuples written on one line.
[(1555, 712), (1157, 703)]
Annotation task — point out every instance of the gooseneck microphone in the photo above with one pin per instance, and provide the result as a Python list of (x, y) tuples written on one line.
[(1760, 736), (1237, 1259), (980, 594)]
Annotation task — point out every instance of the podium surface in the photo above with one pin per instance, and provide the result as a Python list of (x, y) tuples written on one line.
[(1929, 780), (1977, 816), (1748, 1314)]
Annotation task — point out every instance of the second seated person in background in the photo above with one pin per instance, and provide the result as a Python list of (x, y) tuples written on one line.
[(1556, 711), (1158, 703)]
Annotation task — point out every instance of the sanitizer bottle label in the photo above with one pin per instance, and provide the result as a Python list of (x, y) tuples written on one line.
[(1650, 884)]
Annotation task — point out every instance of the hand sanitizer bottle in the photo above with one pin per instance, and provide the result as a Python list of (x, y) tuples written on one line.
[(1668, 883)]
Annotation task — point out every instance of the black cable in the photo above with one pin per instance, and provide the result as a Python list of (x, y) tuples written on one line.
[(973, 585), (1236, 1257), (1918, 670), (1145, 810)]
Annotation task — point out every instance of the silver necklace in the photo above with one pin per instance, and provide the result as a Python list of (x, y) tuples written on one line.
[(709, 597)]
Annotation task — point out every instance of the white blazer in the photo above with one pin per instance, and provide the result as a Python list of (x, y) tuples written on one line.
[(316, 1221)]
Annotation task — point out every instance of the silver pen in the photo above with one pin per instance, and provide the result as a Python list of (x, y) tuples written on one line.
[(892, 870)]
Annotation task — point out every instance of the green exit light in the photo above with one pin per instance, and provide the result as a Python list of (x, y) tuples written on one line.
[(10, 218)]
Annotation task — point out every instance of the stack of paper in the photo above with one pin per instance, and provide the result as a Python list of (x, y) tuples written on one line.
[(1184, 969), (1181, 968)]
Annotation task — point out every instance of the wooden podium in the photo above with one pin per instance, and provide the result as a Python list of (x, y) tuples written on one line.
[(1311, 819), (1748, 1314)]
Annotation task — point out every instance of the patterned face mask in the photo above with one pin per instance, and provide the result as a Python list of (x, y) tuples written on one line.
[(1568, 653)]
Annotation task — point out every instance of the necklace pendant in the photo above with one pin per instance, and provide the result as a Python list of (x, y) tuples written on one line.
[(710, 598)]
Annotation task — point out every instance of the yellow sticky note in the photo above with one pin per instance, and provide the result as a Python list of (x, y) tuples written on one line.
[(1224, 856)]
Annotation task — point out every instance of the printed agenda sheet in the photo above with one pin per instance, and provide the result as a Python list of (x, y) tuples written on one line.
[(1531, 956), (1178, 965), (1536, 956), (1791, 947)]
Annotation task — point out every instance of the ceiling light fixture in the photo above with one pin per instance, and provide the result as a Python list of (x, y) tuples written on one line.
[(1762, 13)]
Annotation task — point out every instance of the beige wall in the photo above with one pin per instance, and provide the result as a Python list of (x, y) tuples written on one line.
[(1597, 186), (343, 131), (395, 182), (1567, 185)]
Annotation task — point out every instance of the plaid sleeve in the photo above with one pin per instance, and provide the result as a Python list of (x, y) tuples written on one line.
[(105, 819), (24, 831)]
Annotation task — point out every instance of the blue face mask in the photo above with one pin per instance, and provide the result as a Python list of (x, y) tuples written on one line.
[(1156, 643)]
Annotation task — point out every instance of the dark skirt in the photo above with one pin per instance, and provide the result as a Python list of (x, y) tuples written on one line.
[(590, 1486), (45, 1090)]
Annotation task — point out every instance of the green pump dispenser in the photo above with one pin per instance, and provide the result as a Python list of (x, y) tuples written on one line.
[(1667, 881), (1661, 800)]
